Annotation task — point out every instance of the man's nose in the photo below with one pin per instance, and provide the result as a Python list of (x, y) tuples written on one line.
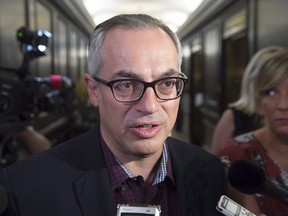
[(149, 101)]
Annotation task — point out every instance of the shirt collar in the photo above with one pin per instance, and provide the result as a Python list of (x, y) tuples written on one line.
[(118, 173)]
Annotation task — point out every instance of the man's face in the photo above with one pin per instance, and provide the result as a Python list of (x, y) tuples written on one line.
[(137, 129)]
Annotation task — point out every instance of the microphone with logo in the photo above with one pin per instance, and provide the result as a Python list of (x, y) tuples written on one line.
[(3, 200), (248, 178)]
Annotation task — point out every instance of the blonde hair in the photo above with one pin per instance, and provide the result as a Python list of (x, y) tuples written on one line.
[(267, 68)]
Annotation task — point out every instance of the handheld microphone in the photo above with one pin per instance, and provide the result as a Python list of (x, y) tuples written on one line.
[(256, 181), (3, 200)]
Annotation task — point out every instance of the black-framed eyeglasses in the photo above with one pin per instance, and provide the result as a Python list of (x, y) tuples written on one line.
[(131, 90)]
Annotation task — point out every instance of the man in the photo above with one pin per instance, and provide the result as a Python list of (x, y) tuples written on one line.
[(134, 80)]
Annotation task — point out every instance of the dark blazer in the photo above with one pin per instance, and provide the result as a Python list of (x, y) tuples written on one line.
[(71, 179)]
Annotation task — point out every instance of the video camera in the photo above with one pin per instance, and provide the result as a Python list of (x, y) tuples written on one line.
[(23, 96)]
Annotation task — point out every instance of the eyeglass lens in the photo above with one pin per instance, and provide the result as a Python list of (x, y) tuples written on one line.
[(132, 90)]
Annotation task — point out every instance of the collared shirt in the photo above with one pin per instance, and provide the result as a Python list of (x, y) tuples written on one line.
[(129, 189)]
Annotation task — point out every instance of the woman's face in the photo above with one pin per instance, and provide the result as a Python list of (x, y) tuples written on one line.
[(273, 106)]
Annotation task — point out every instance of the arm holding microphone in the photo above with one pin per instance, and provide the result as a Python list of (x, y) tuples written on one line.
[(228, 155), (249, 185), (34, 141), (249, 201), (256, 181)]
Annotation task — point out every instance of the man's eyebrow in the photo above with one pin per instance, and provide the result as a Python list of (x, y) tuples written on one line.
[(125, 74), (169, 73), (131, 75)]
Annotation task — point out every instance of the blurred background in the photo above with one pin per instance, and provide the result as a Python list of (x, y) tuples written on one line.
[(43, 56)]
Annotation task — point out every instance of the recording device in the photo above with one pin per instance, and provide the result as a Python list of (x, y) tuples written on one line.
[(229, 207), (138, 210), (23, 96), (3, 200), (249, 178)]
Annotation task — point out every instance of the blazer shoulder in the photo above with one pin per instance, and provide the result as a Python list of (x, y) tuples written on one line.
[(183, 149)]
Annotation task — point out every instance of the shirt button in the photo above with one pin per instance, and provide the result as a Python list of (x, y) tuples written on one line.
[(122, 188)]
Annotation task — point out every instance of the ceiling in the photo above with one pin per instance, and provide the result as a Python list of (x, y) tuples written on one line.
[(174, 13)]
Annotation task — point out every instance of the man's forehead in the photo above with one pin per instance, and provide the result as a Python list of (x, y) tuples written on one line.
[(117, 31)]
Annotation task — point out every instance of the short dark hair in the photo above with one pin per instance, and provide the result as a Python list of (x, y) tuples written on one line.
[(129, 21)]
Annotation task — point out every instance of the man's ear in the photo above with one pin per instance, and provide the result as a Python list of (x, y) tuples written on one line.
[(92, 89)]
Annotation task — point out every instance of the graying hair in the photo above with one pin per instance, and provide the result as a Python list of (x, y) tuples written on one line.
[(96, 56), (267, 68)]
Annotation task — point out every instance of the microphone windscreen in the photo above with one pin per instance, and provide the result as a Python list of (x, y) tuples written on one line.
[(246, 177), (56, 81)]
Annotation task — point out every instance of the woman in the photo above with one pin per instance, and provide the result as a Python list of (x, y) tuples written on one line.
[(267, 147), (240, 117)]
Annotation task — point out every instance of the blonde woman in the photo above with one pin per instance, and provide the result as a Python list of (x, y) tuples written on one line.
[(267, 147), (241, 117)]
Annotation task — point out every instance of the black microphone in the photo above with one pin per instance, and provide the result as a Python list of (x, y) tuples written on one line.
[(248, 178), (3, 200)]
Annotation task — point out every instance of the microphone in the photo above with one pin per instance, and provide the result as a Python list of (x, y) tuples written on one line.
[(55, 81), (248, 178), (59, 82), (3, 200)]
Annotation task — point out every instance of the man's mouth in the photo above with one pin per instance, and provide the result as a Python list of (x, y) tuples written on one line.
[(146, 126), (146, 129)]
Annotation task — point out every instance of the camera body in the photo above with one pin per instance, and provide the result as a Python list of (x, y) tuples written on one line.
[(23, 96), (23, 99)]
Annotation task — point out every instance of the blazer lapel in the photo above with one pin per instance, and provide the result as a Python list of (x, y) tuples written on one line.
[(94, 194), (187, 188), (93, 189)]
